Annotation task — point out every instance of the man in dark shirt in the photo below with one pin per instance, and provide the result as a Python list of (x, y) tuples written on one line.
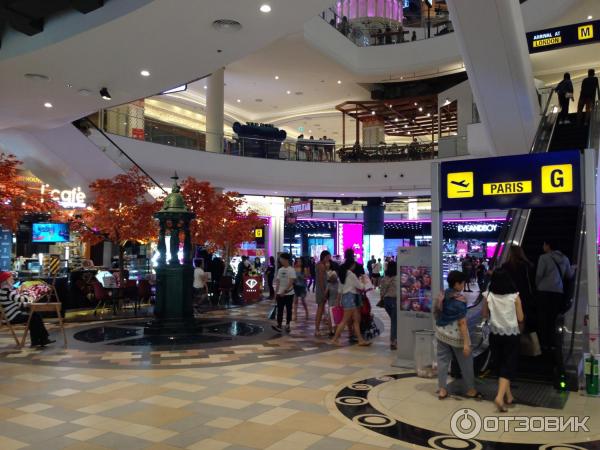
[(587, 97)]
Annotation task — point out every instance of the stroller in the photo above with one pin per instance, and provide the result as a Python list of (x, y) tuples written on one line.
[(368, 327)]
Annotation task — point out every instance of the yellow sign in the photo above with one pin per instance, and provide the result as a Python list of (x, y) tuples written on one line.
[(548, 41), (508, 188), (258, 233), (460, 185), (558, 178), (585, 32)]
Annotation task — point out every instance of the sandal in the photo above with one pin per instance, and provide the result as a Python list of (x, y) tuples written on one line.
[(442, 397), (477, 396), (501, 407)]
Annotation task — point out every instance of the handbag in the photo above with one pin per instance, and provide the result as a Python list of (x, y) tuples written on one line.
[(273, 313), (337, 314), (530, 344)]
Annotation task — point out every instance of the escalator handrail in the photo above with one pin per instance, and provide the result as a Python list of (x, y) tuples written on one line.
[(87, 119)]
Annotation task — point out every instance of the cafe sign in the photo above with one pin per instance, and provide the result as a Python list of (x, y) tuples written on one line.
[(535, 180), (69, 198)]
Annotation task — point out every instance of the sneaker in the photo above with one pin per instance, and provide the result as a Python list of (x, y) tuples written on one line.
[(287, 329), (277, 328)]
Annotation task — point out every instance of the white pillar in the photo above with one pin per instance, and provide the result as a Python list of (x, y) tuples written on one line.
[(215, 112), (491, 37), (591, 246), (276, 227)]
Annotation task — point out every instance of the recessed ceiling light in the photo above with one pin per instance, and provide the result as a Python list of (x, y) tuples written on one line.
[(408, 132), (342, 194), (226, 25), (396, 119), (288, 92), (421, 108), (265, 8), (590, 17), (37, 76), (399, 193), (48, 105), (84, 92), (310, 131), (205, 87), (145, 73), (277, 77), (416, 104), (238, 100), (428, 114), (372, 113), (405, 126), (276, 192), (339, 81)]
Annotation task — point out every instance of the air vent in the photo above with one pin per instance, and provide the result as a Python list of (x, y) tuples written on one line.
[(227, 25), (258, 100), (36, 76)]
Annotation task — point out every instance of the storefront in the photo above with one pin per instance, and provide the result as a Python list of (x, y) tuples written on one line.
[(311, 237)]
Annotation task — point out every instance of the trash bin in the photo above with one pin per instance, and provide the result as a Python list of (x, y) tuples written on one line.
[(425, 358)]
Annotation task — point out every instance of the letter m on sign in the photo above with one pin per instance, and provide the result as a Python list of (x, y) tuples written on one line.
[(585, 32)]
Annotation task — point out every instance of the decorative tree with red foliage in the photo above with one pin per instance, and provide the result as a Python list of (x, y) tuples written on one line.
[(16, 201), (121, 212), (221, 222)]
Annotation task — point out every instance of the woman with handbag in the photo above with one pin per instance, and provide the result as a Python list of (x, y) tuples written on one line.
[(522, 273), (502, 305), (387, 290), (351, 301)]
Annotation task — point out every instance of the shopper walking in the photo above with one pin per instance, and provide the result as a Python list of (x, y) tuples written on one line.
[(467, 268), (284, 285), (321, 270), (300, 289), (502, 305), (553, 270), (376, 275), (564, 90), (588, 95), (351, 301), (453, 336), (270, 275), (389, 298)]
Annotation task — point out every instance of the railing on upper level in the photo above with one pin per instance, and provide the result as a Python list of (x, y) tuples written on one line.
[(366, 33), (151, 130)]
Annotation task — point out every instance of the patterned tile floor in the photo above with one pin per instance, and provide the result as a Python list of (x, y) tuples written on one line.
[(283, 403)]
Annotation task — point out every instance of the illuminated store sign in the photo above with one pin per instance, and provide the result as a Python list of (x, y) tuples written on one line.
[(300, 209), (350, 235), (74, 198), (478, 228), (565, 36)]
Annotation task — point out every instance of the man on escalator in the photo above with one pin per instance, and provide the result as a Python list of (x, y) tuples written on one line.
[(590, 91), (553, 269)]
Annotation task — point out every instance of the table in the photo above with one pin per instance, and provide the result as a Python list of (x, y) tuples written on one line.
[(44, 307)]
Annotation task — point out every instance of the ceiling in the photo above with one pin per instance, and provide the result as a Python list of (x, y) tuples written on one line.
[(174, 40)]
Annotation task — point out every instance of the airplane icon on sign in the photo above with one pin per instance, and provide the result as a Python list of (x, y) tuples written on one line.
[(462, 184)]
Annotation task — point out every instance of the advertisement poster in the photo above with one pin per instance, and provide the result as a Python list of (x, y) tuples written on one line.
[(414, 270), (50, 232), (350, 235)]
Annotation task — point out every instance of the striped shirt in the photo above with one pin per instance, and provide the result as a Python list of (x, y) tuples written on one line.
[(11, 302)]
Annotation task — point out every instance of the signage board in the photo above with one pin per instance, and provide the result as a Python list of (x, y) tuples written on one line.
[(524, 181), (5, 250), (565, 36), (301, 209)]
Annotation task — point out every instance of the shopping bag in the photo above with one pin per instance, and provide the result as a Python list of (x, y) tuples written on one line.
[(273, 313), (337, 314), (530, 344)]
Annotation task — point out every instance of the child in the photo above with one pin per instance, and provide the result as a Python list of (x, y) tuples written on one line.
[(331, 294)]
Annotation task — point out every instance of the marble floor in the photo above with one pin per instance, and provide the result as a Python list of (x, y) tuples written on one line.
[(302, 395)]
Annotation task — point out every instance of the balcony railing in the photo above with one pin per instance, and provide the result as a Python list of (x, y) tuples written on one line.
[(151, 130), (367, 32)]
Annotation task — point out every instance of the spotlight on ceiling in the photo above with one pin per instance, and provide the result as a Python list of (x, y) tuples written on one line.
[(48, 105), (339, 81), (145, 73), (265, 8), (105, 94), (590, 17)]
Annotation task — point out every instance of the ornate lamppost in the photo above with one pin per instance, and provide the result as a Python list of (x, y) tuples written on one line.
[(174, 279)]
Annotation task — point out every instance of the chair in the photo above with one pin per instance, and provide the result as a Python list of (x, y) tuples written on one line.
[(225, 288), (4, 320), (101, 296)]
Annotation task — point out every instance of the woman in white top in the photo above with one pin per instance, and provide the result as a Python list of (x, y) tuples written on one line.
[(350, 299), (200, 278), (503, 308)]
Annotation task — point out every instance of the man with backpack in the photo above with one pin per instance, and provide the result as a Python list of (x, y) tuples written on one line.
[(553, 279)]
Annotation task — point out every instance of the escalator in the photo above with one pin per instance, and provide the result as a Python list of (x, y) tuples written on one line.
[(560, 225)]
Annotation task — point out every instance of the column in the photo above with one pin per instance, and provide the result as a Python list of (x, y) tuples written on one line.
[(215, 112), (373, 229), (491, 37), (276, 226)]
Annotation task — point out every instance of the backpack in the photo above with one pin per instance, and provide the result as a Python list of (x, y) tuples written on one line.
[(568, 289)]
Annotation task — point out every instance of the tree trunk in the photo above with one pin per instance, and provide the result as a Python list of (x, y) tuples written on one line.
[(122, 266)]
